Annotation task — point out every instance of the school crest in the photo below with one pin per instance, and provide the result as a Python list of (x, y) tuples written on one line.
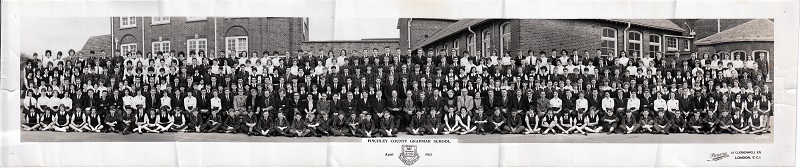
[(408, 154)]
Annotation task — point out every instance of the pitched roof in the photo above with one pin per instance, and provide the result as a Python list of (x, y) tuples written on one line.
[(456, 27), (462, 25), (97, 43), (754, 30), (651, 23)]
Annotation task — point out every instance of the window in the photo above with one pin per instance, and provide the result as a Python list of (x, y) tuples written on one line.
[(654, 45), (235, 45), (686, 44), (735, 53), (757, 54), (471, 44), (127, 22), (126, 48), (485, 42), (162, 46), (455, 45), (505, 37), (608, 42), (634, 43), (196, 45), (672, 43), (159, 20), (189, 19)]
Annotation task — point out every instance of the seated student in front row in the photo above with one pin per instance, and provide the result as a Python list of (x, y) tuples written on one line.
[(179, 122), (129, 122), (151, 122), (367, 127), (629, 123), (563, 121), (680, 122), (711, 122), (62, 120), (112, 122), (579, 123), (740, 124), (46, 120), (194, 122), (339, 125), (164, 121), (757, 123), (610, 121), (281, 125), (433, 123), (450, 121), (312, 124), (465, 122), (140, 121), (353, 125), (593, 121), (265, 125), (725, 122), (498, 121), (549, 123), (324, 121), (388, 125), (480, 120), (31, 122), (516, 124), (646, 123), (696, 123), (249, 123), (417, 125), (94, 123), (532, 123), (662, 123), (298, 128), (231, 123), (214, 122)]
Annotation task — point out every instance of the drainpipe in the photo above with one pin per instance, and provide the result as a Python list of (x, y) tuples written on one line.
[(215, 39), (113, 43), (473, 38), (626, 39), (408, 33)]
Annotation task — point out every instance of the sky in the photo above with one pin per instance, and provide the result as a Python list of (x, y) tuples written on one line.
[(61, 34)]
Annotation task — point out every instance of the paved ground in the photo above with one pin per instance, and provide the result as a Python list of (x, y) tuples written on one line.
[(38, 136)]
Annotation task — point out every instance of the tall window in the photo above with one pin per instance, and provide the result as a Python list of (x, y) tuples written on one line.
[(654, 45), (672, 43), (235, 45), (455, 45), (196, 45), (757, 54), (634, 43), (127, 22), (159, 20), (737, 52), (485, 42), (608, 42), (125, 48), (505, 37), (471, 44), (162, 46), (686, 44)]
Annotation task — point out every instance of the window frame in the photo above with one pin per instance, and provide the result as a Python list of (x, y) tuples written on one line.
[(197, 41), (486, 42), (129, 49), (650, 43), (130, 23), (159, 20), (455, 45), (603, 39), (471, 44), (756, 51), (668, 43), (160, 46), (505, 37), (193, 19), (687, 45), (236, 45), (633, 43)]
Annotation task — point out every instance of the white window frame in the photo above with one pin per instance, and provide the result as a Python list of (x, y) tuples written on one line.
[(733, 56), (603, 39), (633, 43), (505, 38), (163, 46), (658, 43), (669, 43), (486, 40), (190, 46), (237, 46), (130, 47), (687, 44), (755, 51), (471, 44), (191, 19), (455, 45), (159, 20), (127, 22)]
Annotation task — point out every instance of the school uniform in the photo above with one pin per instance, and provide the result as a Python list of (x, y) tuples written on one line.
[(339, 126), (418, 122), (281, 126), (299, 128), (497, 119), (516, 124), (388, 126), (213, 124), (433, 124)]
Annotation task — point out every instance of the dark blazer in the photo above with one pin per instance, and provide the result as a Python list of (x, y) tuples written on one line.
[(378, 106)]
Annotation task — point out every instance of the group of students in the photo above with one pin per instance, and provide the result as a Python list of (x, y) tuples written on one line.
[(381, 94)]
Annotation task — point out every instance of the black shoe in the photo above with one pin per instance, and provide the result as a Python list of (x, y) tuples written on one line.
[(609, 132), (758, 133)]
